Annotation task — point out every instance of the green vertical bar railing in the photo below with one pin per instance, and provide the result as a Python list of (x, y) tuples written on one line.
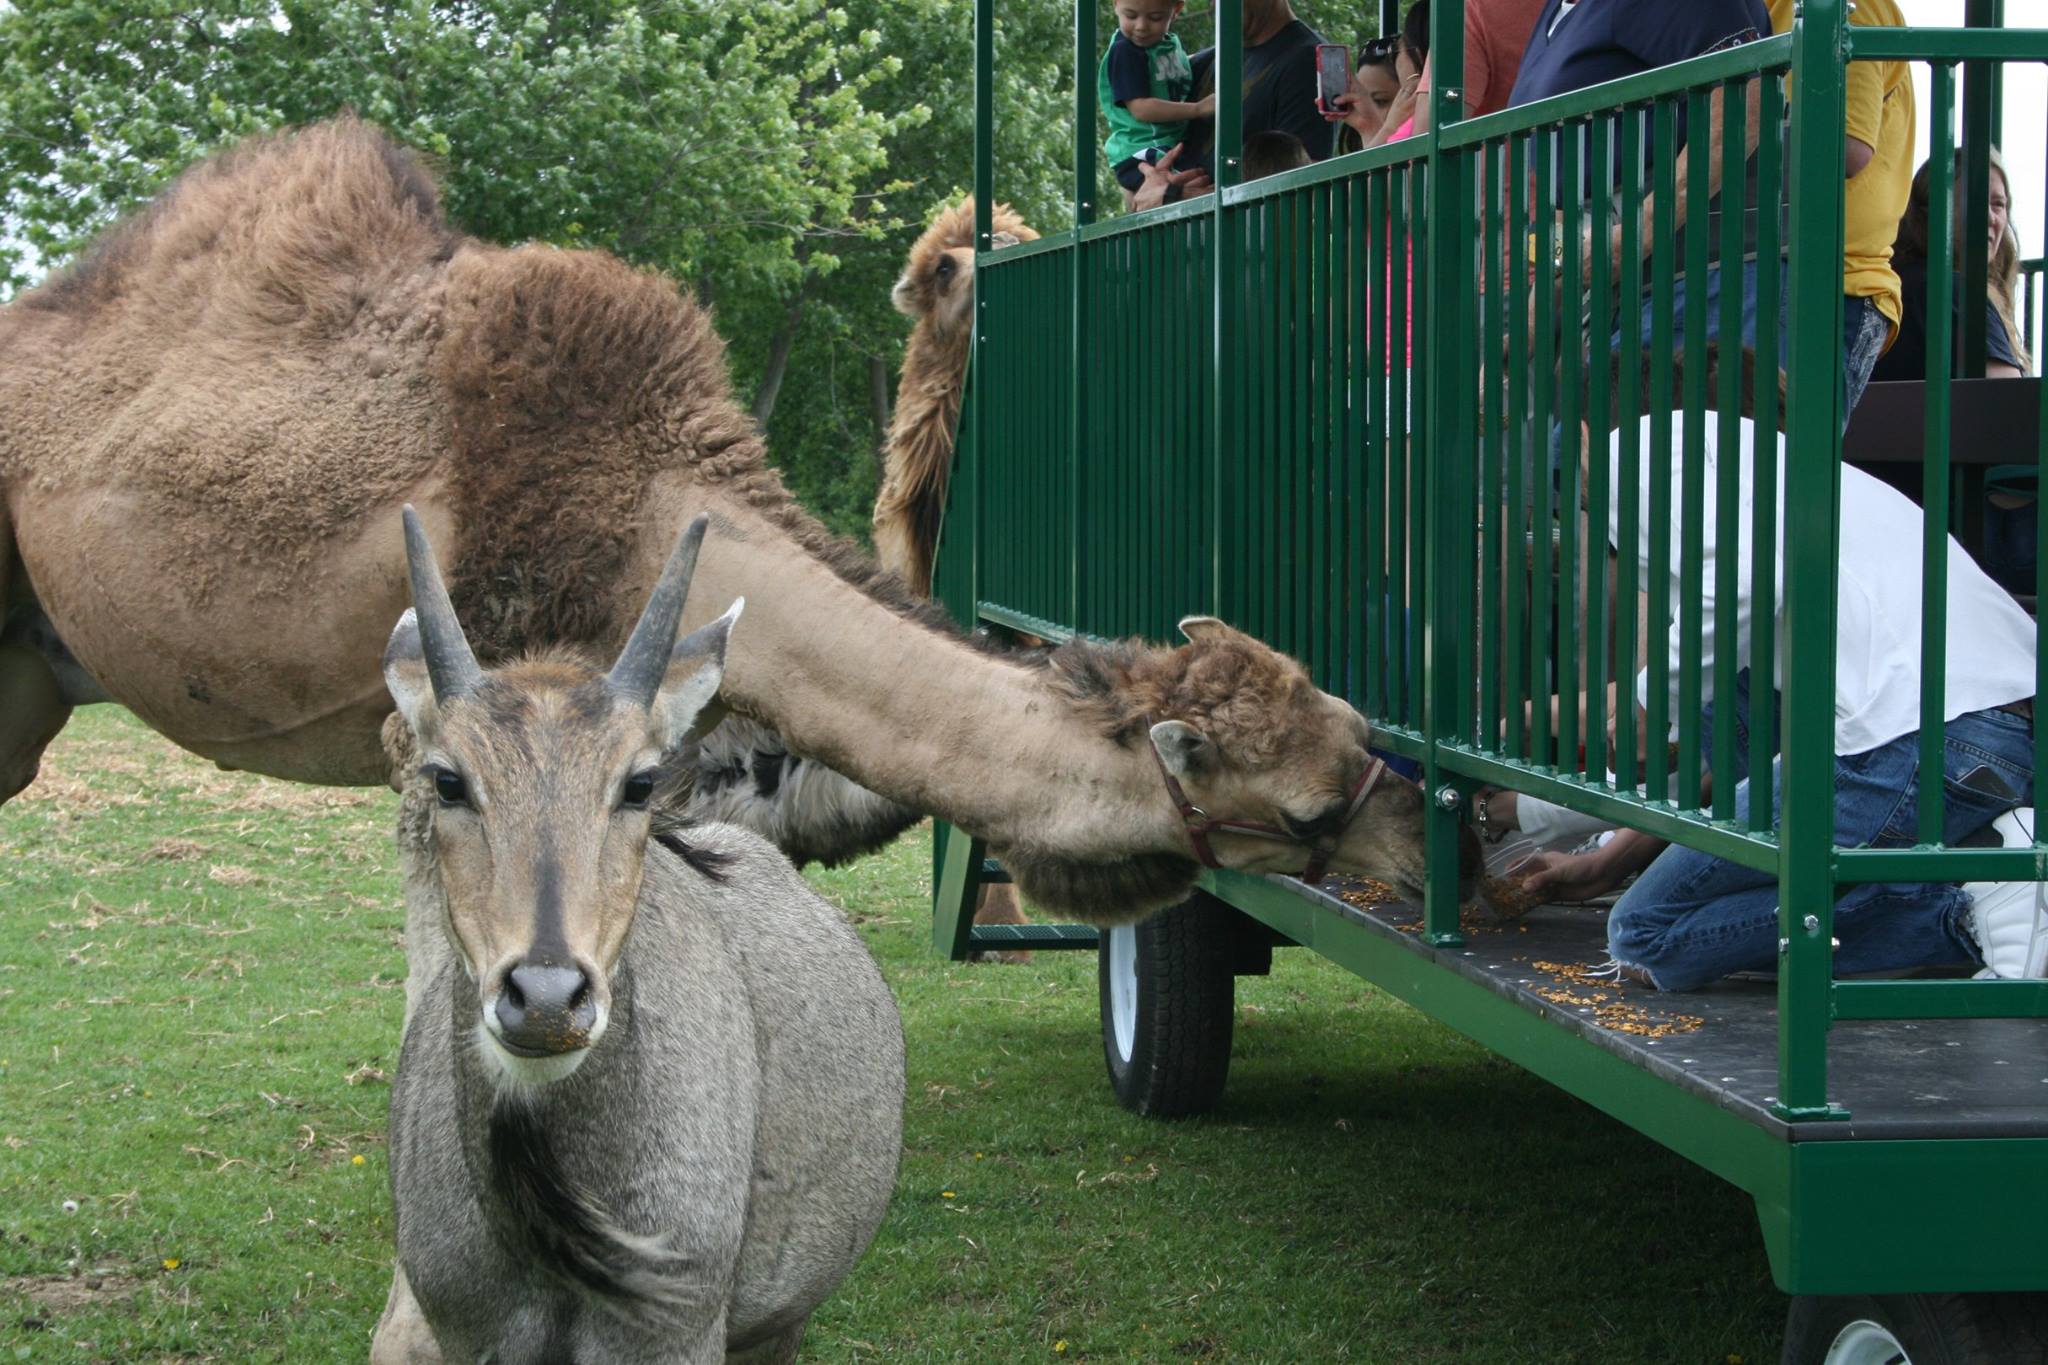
[(1400, 438), (1728, 466), (1934, 448), (1338, 533), (1542, 410), (1378, 603), (1980, 81), (1813, 444), (1656, 650), (1492, 474), (984, 201), (1363, 613), (1524, 458), (2030, 304), (1226, 283), (1085, 189), (1421, 422), (1571, 365), (1699, 161), (1628, 429), (2040, 571), (1599, 397), (1764, 534), (1444, 484)]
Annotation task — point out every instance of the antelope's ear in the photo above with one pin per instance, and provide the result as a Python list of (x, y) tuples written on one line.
[(405, 676), (684, 705), (1204, 628), (1185, 751)]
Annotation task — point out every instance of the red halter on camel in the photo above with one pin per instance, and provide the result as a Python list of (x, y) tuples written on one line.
[(1201, 824)]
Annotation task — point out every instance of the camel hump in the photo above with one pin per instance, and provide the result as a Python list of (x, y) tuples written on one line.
[(293, 223)]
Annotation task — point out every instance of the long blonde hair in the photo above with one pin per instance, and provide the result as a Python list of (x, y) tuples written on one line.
[(2002, 273)]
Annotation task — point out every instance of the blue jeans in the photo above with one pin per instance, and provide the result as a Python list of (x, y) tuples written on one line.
[(1864, 333), (1692, 918), (1712, 297), (1864, 329)]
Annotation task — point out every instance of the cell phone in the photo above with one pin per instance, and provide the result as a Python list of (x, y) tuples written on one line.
[(1333, 76)]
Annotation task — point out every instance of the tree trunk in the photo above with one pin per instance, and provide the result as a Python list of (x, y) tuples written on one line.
[(779, 348), (878, 408)]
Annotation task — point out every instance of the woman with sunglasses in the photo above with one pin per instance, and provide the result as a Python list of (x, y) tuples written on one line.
[(1374, 86)]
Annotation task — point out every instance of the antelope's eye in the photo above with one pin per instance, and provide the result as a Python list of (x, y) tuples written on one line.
[(449, 786), (637, 791)]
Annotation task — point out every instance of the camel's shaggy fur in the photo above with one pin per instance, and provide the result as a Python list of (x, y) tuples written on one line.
[(332, 239), (307, 263), (1225, 687), (937, 289)]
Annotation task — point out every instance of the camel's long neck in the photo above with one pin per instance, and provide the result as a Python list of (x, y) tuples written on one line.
[(928, 399), (914, 715)]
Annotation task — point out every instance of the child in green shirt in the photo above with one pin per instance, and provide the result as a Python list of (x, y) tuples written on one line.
[(1143, 86)]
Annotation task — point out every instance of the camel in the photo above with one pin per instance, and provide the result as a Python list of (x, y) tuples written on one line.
[(936, 290), (211, 419)]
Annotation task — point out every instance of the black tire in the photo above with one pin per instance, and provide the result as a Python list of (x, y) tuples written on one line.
[(1168, 994), (1917, 1329)]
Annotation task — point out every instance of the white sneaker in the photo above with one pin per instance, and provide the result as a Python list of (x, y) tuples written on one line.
[(2010, 919)]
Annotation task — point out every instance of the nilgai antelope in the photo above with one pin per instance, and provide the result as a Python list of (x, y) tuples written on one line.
[(649, 1103)]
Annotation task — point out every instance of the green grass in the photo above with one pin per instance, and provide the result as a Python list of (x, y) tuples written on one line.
[(199, 1008)]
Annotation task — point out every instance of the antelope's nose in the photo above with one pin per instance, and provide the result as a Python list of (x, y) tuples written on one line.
[(545, 1009)]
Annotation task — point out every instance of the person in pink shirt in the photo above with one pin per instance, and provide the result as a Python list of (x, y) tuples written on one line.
[(1496, 33)]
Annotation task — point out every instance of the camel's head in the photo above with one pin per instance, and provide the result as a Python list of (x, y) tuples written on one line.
[(1249, 739), (543, 775), (937, 283)]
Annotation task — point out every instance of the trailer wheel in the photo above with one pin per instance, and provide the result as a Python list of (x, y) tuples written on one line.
[(1917, 1329), (1168, 994)]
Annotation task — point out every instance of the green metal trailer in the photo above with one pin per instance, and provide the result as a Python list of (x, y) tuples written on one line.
[(1384, 342)]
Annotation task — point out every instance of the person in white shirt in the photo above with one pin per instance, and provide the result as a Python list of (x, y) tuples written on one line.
[(1691, 918)]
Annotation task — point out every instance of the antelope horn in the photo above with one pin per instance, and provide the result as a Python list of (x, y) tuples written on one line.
[(644, 661), (451, 667)]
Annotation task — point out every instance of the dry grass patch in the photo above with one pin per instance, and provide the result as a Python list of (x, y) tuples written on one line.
[(56, 1296)]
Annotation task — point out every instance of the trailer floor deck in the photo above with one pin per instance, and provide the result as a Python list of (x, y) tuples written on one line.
[(1905, 1079)]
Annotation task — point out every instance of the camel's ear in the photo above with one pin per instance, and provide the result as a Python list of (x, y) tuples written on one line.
[(683, 705), (1185, 751), (1204, 628), (405, 676)]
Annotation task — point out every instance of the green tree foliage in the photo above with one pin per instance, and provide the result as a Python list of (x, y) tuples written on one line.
[(777, 155)]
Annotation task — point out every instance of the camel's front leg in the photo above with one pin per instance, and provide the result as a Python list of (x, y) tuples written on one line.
[(32, 704), (32, 711)]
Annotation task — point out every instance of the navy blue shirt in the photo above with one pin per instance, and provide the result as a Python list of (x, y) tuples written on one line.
[(1577, 43), (1907, 359)]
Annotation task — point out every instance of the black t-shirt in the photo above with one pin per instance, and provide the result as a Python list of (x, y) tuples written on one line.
[(1907, 359), (1279, 91)]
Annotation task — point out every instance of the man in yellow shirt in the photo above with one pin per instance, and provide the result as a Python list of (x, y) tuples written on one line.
[(1877, 162)]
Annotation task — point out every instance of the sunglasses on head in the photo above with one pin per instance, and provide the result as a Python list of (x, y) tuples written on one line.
[(1379, 49)]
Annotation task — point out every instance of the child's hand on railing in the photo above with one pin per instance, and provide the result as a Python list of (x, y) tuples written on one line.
[(1205, 107)]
